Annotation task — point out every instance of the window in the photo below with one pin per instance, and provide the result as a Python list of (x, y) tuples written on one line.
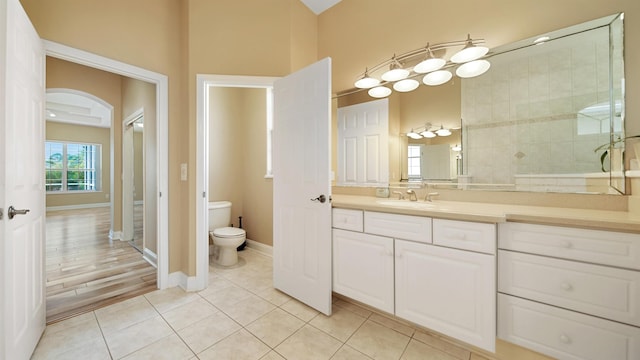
[(414, 152), (72, 167)]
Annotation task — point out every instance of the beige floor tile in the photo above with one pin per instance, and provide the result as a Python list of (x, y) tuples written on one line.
[(240, 345), (68, 336), (95, 349), (276, 297), (165, 300), (341, 324), (137, 336), (299, 310), (168, 348), (274, 327), (216, 283), (208, 331), (378, 341), (309, 343), (248, 310), (353, 308), (393, 324), (124, 314), (71, 322), (227, 297), (419, 351), (346, 352), (189, 313), (441, 344), (272, 355)]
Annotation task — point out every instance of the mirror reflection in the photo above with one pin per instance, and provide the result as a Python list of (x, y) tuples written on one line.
[(539, 120)]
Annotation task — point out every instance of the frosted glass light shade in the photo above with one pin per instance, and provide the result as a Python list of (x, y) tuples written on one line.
[(395, 74), (443, 132), (414, 135), (379, 92), (472, 69), (429, 65), (406, 85), (469, 53), (428, 134), (437, 77), (367, 82)]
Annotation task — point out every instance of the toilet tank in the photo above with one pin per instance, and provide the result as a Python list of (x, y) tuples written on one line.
[(219, 214)]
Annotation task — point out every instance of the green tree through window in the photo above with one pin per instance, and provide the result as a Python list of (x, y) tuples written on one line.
[(72, 167)]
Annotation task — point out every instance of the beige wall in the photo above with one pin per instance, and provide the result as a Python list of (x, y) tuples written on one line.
[(237, 160), (89, 135)]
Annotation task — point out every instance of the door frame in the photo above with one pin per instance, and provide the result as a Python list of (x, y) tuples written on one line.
[(161, 82), (204, 84)]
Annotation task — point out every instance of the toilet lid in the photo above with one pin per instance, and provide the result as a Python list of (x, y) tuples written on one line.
[(228, 232)]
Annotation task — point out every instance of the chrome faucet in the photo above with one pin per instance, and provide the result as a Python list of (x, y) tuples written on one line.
[(400, 195), (412, 195), (429, 196)]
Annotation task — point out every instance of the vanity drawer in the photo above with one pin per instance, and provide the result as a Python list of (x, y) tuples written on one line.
[(347, 219), (593, 289), (564, 334), (596, 246), (417, 228), (479, 237)]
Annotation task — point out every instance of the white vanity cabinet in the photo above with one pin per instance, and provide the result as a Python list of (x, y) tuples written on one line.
[(447, 290), (569, 293), (439, 274)]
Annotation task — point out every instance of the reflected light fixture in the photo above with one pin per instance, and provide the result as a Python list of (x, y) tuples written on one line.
[(470, 52), (379, 92), (414, 135), (457, 148), (443, 132), (428, 133), (437, 77), (473, 68), (406, 85), (395, 72), (366, 81)]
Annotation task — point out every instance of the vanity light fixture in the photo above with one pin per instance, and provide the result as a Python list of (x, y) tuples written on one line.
[(443, 132), (414, 135), (456, 148), (402, 69), (427, 133)]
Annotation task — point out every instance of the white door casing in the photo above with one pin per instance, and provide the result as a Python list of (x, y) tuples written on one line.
[(363, 143), (301, 172), (21, 184)]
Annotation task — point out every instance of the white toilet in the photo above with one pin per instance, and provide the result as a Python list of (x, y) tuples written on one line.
[(225, 239)]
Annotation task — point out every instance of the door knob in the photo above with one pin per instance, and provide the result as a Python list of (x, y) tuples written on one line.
[(320, 198), (11, 212)]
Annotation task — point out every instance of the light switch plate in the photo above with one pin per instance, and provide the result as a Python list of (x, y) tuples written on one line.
[(183, 172)]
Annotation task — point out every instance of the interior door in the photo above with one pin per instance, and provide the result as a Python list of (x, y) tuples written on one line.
[(22, 319), (301, 181)]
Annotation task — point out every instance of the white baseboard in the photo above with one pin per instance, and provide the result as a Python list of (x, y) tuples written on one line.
[(115, 235), (186, 283), (260, 247), (150, 257), (78, 206)]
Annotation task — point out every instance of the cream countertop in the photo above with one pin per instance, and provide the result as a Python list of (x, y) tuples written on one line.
[(496, 213)]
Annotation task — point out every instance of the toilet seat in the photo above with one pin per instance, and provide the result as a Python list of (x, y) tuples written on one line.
[(227, 232)]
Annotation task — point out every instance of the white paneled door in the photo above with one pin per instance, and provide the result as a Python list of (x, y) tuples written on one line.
[(22, 302), (301, 180)]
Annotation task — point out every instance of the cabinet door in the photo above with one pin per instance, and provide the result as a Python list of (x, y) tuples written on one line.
[(363, 268), (450, 291)]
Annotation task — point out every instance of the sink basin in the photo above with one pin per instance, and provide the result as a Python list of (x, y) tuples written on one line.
[(406, 204)]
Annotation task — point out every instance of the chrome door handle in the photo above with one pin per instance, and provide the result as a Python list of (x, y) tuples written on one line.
[(13, 212), (320, 198)]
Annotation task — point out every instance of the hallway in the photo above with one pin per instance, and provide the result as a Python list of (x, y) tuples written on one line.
[(86, 270)]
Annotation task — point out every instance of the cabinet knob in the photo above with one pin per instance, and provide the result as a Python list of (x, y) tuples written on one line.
[(565, 339), (566, 286)]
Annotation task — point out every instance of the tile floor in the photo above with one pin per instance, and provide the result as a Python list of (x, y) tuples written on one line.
[(239, 316)]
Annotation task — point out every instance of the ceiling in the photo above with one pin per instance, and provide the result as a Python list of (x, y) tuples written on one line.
[(318, 6), (76, 108)]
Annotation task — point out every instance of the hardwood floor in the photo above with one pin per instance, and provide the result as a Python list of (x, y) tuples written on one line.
[(85, 269)]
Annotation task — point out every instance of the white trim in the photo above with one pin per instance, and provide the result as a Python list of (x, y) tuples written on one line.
[(260, 247), (150, 257), (115, 235), (187, 283), (138, 202), (78, 206), (204, 83), (161, 82)]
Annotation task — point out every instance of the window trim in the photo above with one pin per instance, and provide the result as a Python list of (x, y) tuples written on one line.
[(65, 168)]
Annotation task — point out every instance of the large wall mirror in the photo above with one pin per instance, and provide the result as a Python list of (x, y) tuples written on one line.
[(548, 116)]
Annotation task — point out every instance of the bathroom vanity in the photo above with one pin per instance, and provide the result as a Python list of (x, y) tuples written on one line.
[(557, 281)]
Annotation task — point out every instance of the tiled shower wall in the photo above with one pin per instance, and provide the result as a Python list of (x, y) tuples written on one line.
[(534, 111)]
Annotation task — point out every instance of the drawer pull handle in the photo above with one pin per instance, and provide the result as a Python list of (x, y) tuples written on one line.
[(565, 339), (566, 286)]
